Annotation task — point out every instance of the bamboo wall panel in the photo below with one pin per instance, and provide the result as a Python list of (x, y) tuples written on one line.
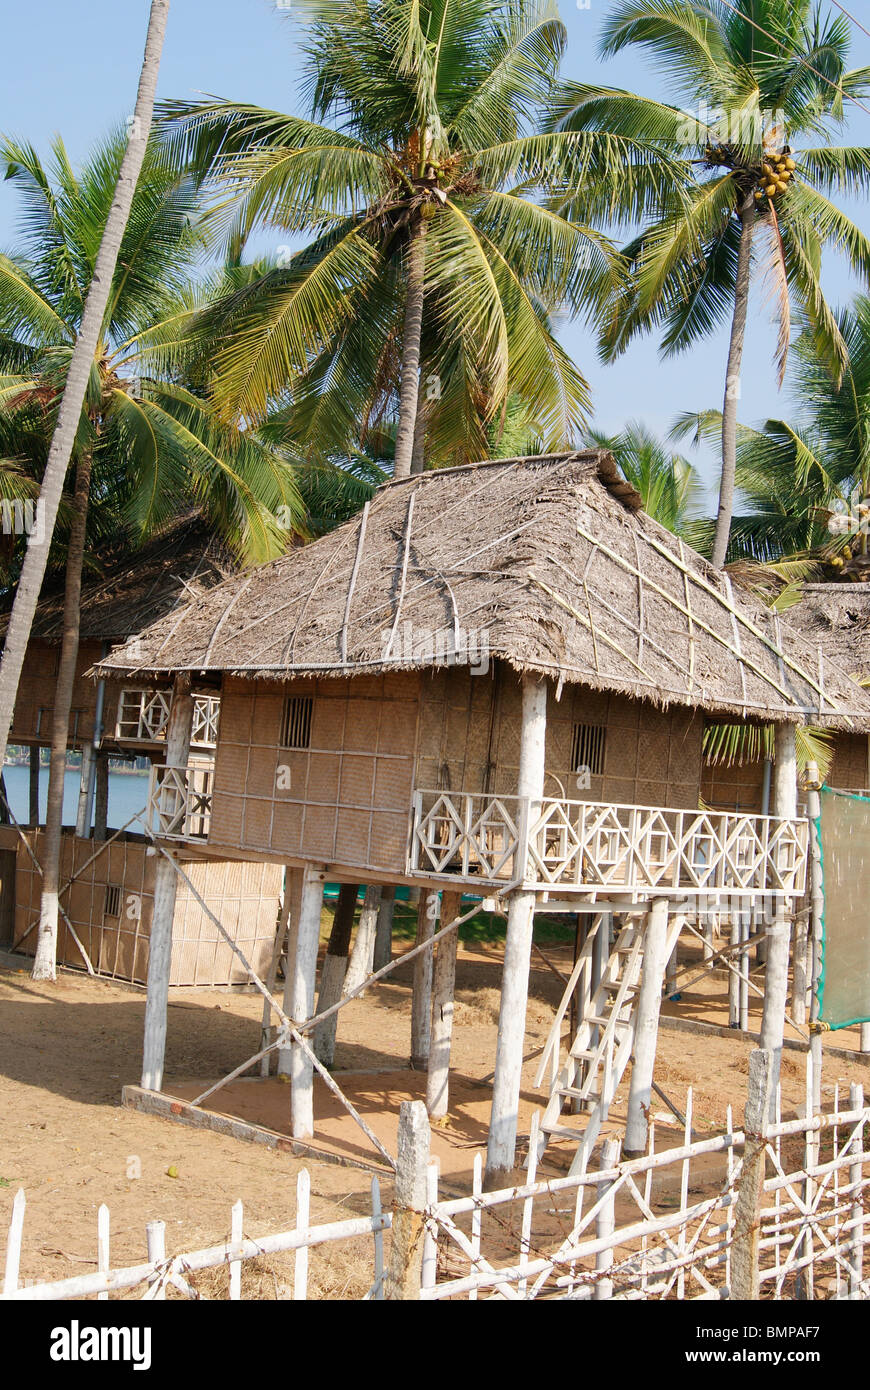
[(36, 693), (244, 896), (740, 788), (346, 798), (470, 741)]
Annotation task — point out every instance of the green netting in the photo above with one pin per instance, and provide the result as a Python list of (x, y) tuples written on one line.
[(843, 829)]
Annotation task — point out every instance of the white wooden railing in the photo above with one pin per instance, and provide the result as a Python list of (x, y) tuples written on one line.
[(582, 846), (144, 714), (179, 802)]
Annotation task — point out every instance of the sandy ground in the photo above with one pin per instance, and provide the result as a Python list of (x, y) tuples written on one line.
[(66, 1049)]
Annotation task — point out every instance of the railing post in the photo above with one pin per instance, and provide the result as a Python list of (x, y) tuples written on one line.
[(404, 1270), (747, 1220)]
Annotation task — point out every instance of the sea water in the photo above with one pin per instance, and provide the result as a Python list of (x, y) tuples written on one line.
[(128, 793)]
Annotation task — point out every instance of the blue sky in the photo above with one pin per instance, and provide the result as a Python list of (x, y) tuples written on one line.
[(72, 68)]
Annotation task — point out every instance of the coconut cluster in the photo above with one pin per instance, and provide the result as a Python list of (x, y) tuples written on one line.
[(777, 171)]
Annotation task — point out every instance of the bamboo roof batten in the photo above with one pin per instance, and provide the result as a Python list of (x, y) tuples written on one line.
[(551, 561)]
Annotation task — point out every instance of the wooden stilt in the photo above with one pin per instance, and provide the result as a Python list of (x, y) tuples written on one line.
[(501, 1145), (277, 952), (384, 929), (646, 1028), (778, 935), (101, 800), (293, 894), (165, 886), (307, 939), (443, 989), (332, 975), (362, 959), (421, 997), (33, 785)]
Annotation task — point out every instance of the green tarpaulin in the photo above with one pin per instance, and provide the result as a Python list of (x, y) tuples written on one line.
[(844, 836)]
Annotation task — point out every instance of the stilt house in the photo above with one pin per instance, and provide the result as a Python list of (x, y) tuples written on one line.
[(494, 680), (107, 905)]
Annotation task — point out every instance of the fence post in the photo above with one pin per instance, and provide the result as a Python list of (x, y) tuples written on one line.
[(856, 1174), (605, 1221), (406, 1245), (155, 1235), (744, 1257), (13, 1243)]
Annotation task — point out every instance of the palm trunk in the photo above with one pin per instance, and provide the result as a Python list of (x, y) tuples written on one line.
[(33, 569), (732, 383), (409, 388), (45, 962), (418, 453)]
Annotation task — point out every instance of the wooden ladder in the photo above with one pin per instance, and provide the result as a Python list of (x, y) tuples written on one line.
[(601, 1048)]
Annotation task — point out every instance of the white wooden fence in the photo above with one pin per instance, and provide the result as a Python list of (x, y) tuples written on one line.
[(660, 1227)]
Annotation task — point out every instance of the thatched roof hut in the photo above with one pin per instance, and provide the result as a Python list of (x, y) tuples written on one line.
[(836, 617), (550, 559), (124, 590)]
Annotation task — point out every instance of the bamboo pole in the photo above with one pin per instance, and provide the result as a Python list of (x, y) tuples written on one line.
[(646, 1028), (605, 1223), (443, 989), (500, 1152), (307, 939), (33, 785), (421, 997), (384, 930), (178, 731)]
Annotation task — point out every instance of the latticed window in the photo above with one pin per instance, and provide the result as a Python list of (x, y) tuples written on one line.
[(113, 900), (296, 723), (587, 749)]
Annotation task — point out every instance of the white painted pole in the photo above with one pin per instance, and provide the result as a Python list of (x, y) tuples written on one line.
[(775, 993), (856, 1175), (155, 1235), (646, 1028), (307, 936), (817, 909), (165, 887), (733, 978), (799, 985), (605, 1222), (501, 1146), (443, 989), (103, 1258), (237, 1235), (334, 972), (293, 889), (362, 956), (13, 1243), (421, 991)]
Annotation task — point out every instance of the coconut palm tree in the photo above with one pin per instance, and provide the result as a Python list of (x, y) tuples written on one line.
[(149, 442), (804, 480), (431, 266), (668, 483), (770, 91), (89, 326)]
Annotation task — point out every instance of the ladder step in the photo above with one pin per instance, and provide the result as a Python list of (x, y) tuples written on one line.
[(562, 1132), (578, 1093), (604, 1019)]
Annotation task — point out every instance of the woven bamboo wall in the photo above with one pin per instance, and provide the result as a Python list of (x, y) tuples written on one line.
[(740, 788), (470, 741), (244, 897), (345, 798), (36, 693)]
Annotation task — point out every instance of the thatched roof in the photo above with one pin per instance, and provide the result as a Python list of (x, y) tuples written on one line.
[(549, 560), (126, 590), (836, 617)]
